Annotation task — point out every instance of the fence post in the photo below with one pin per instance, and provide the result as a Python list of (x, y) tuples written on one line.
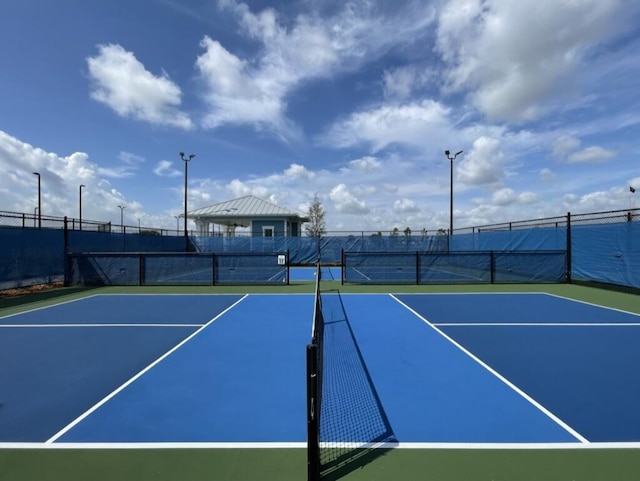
[(492, 264), (140, 269), (213, 269), (288, 268), (67, 259), (569, 253)]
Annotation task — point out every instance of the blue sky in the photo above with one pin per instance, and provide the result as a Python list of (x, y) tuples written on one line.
[(355, 101)]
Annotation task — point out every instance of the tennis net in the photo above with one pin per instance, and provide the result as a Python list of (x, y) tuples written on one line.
[(347, 423)]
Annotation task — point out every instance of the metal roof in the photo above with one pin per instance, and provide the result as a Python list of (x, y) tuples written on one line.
[(248, 206)]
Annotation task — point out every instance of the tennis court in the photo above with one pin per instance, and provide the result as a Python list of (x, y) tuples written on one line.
[(435, 382)]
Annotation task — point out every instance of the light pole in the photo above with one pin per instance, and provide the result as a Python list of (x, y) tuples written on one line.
[(186, 163), (448, 154), (39, 202), (122, 208), (80, 203)]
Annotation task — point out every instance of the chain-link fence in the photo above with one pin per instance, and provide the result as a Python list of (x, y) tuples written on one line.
[(602, 246), (609, 217)]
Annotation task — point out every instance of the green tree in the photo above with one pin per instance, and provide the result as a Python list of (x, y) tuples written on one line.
[(394, 232), (407, 231), (316, 227)]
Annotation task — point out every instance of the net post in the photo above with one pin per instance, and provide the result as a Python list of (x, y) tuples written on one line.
[(313, 427), (342, 267)]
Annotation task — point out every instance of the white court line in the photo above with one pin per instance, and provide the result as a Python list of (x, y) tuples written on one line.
[(303, 445), (130, 381), (96, 325), (361, 273), (49, 306), (535, 403), (159, 445), (591, 304), (539, 324)]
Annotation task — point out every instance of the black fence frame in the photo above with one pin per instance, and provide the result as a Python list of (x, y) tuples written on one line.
[(142, 256), (491, 257)]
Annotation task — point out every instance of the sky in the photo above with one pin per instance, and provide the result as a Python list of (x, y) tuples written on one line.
[(353, 101)]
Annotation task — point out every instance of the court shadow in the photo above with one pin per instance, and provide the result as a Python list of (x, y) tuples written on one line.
[(354, 428)]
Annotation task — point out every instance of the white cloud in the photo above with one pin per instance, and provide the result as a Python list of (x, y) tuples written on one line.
[(299, 172), (515, 56), (60, 178), (119, 172), (165, 169), (564, 145), (593, 201), (483, 165), (401, 83), (345, 202), (254, 91), (547, 175), (504, 196), (403, 206), (363, 165), (123, 84), (241, 189), (417, 124), (131, 159), (508, 196), (591, 155)]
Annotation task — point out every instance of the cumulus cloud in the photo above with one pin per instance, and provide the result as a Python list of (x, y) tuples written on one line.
[(254, 90), (299, 172), (60, 177), (415, 124), (483, 165), (345, 202), (403, 206), (121, 82), (241, 189), (593, 201), (365, 164), (514, 56), (591, 155), (508, 196)]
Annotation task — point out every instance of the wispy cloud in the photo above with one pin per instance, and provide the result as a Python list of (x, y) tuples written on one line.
[(254, 90), (165, 169), (591, 155)]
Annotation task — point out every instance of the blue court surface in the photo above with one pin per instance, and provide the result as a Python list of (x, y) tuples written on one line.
[(230, 369)]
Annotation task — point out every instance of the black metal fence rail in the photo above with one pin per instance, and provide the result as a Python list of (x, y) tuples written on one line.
[(607, 217), (171, 269), (456, 267)]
